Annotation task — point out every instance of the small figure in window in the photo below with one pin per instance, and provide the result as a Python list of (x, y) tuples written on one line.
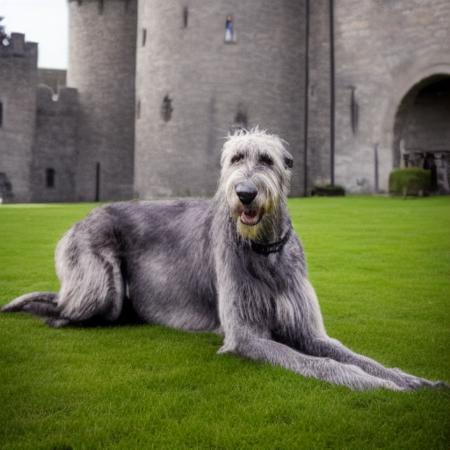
[(230, 35)]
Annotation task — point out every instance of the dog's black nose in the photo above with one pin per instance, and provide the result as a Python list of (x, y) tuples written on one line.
[(246, 191)]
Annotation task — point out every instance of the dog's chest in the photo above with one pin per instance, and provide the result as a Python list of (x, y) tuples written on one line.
[(266, 272), (261, 281)]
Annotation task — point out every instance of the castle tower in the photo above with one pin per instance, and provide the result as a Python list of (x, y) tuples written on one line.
[(102, 53), (18, 79), (204, 67)]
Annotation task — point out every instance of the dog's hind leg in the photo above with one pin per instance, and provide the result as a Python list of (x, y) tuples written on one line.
[(92, 284)]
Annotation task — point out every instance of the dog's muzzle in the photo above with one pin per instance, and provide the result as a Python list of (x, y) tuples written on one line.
[(247, 191)]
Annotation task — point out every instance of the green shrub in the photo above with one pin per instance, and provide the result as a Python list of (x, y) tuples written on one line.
[(328, 191), (410, 181)]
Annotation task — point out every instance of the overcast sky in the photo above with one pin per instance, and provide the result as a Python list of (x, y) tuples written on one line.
[(42, 21)]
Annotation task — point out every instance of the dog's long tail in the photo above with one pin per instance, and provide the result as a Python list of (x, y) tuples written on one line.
[(39, 303)]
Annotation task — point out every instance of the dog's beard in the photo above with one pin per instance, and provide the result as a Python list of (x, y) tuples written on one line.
[(249, 232), (254, 222)]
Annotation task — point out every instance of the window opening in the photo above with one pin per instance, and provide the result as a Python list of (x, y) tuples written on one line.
[(50, 178), (241, 118), (166, 108), (354, 110), (185, 16), (230, 35), (144, 36)]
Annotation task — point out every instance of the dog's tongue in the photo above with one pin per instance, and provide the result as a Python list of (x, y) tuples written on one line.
[(249, 217)]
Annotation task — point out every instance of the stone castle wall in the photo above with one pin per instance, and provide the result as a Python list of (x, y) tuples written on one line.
[(383, 49), (18, 81), (157, 97), (102, 55), (210, 85), (55, 145)]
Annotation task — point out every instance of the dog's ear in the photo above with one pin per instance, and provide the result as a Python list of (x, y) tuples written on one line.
[(288, 160)]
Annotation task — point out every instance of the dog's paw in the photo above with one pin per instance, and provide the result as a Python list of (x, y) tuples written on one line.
[(439, 385), (224, 350), (57, 322), (412, 382)]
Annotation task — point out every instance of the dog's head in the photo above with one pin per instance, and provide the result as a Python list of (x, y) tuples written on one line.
[(255, 178)]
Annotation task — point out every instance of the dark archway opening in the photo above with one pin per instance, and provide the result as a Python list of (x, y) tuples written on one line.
[(422, 129)]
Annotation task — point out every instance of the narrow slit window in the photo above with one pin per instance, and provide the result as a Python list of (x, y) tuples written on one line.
[(1, 114), (144, 36), (241, 118), (101, 4), (354, 110), (230, 33), (50, 178), (185, 17), (166, 108)]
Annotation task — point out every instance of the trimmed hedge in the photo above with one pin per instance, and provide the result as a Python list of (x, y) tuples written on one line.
[(410, 181), (328, 191)]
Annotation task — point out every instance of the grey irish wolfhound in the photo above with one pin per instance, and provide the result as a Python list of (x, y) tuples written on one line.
[(232, 264)]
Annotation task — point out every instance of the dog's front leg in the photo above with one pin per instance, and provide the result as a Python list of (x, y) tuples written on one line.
[(332, 348), (315, 342), (245, 343), (254, 341)]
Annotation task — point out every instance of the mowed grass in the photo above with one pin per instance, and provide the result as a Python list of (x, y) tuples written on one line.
[(381, 268)]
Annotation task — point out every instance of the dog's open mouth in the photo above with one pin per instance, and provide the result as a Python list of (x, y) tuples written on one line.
[(250, 217)]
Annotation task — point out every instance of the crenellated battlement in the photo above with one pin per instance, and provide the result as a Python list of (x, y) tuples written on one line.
[(18, 47), (51, 103), (127, 4)]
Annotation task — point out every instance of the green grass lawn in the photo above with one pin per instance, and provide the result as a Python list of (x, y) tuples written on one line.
[(381, 268)]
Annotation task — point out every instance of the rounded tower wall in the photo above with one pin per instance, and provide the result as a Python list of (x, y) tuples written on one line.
[(192, 86), (102, 61), (18, 80)]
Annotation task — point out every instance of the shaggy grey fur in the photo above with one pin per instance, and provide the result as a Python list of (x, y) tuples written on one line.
[(231, 264)]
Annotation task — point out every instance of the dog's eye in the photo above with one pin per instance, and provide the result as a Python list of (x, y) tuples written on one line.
[(266, 160), (236, 158)]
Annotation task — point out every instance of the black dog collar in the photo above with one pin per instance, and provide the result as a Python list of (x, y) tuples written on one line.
[(273, 247)]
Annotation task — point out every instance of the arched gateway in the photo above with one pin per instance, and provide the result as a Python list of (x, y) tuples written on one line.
[(422, 129), (416, 125)]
